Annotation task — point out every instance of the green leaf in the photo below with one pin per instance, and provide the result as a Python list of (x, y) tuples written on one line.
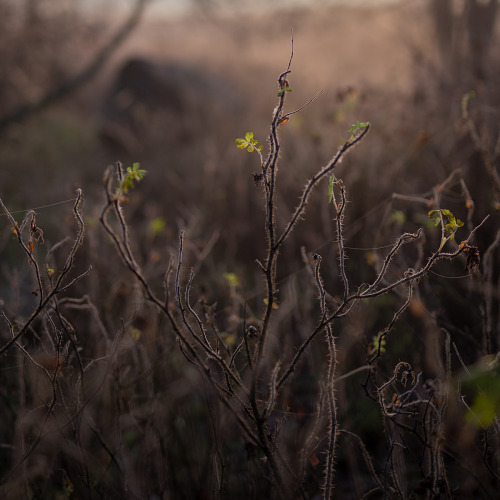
[(358, 126), (133, 173), (435, 218), (378, 344), (482, 383), (397, 216), (157, 225), (248, 143), (283, 90), (135, 333), (231, 279), (483, 410), (465, 101)]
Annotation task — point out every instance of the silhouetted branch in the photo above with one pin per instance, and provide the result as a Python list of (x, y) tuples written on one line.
[(26, 110)]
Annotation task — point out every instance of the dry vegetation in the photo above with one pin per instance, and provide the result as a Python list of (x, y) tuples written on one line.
[(203, 335)]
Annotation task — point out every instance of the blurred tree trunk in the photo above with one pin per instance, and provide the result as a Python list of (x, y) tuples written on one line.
[(480, 18), (31, 14), (442, 16), (464, 37)]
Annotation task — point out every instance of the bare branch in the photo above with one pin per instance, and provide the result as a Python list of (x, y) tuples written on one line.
[(25, 111)]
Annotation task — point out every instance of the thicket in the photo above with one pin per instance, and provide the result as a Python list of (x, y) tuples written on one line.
[(136, 364)]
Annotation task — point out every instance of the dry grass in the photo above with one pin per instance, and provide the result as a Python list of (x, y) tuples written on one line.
[(145, 422)]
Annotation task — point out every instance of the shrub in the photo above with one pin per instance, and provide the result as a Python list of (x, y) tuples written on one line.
[(156, 390)]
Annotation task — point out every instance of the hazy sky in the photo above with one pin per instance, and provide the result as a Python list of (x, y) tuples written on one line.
[(176, 7), (179, 6)]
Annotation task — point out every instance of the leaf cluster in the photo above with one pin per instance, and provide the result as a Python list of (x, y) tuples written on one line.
[(133, 174), (248, 143), (449, 228)]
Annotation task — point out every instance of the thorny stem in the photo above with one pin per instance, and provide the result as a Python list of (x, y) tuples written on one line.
[(340, 240), (328, 484), (252, 414), (270, 171), (311, 184), (56, 288), (122, 245), (396, 316), (370, 292)]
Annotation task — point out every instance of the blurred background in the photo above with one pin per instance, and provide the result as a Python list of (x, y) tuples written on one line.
[(172, 84)]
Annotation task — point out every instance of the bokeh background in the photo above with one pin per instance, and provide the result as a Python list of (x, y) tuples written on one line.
[(171, 85)]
